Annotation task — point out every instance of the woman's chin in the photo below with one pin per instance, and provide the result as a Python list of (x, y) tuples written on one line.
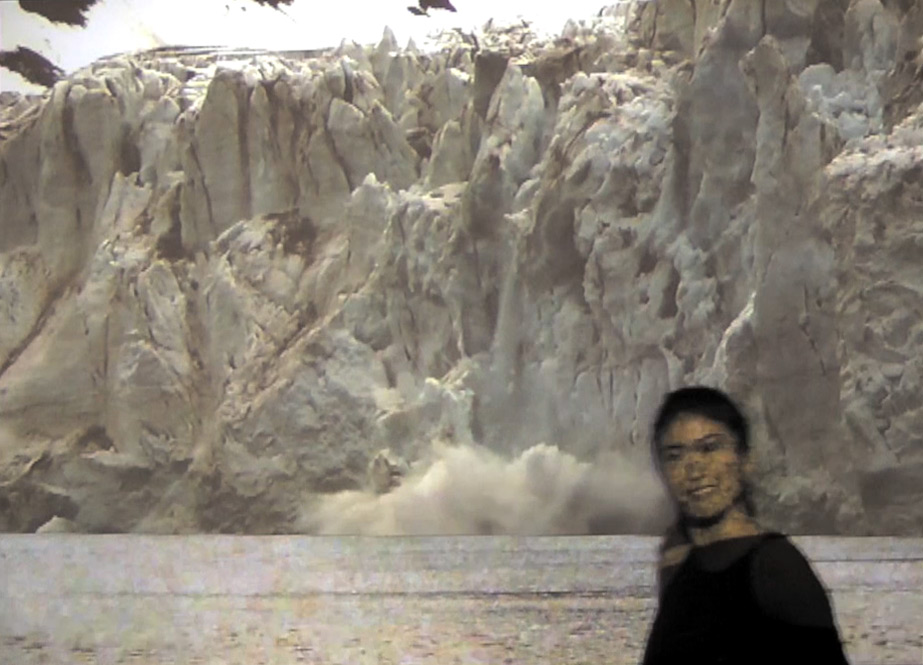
[(702, 511)]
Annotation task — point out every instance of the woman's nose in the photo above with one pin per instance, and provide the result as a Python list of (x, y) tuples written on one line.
[(695, 463)]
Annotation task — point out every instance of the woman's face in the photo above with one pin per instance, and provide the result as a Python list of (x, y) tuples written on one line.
[(702, 467)]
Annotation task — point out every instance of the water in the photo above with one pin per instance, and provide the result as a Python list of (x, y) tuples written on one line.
[(215, 599)]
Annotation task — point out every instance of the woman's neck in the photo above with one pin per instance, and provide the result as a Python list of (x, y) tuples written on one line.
[(736, 523)]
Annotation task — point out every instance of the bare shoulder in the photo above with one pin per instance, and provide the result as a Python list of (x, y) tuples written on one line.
[(674, 555), (674, 548)]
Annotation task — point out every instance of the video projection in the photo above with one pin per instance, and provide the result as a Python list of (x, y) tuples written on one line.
[(349, 333)]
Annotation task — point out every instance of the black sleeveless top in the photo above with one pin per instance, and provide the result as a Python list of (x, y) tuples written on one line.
[(747, 600)]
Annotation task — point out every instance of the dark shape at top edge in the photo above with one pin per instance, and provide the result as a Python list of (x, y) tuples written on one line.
[(68, 12), (32, 66)]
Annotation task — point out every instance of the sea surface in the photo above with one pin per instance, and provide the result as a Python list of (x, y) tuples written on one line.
[(252, 600)]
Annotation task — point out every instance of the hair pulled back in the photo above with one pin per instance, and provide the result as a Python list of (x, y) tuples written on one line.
[(710, 403)]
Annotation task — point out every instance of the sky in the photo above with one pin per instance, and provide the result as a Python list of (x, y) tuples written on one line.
[(117, 26)]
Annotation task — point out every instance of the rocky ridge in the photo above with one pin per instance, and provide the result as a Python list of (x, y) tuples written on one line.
[(229, 279)]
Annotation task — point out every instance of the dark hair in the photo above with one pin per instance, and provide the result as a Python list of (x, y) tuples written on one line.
[(709, 403)]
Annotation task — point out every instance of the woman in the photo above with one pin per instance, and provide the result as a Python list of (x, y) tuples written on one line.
[(730, 592)]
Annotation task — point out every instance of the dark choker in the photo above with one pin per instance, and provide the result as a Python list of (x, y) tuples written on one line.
[(703, 522)]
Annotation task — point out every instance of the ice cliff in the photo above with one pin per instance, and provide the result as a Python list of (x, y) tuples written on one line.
[(385, 291)]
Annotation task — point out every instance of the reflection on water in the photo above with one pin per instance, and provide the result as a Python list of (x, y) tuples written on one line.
[(214, 599)]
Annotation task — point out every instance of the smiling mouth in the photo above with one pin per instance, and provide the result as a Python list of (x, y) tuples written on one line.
[(699, 491)]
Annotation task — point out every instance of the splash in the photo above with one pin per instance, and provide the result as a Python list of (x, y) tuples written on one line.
[(465, 490)]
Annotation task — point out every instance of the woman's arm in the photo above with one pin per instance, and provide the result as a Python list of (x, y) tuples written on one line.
[(789, 592)]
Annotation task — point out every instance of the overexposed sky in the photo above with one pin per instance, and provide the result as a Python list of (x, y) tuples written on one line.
[(116, 26)]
